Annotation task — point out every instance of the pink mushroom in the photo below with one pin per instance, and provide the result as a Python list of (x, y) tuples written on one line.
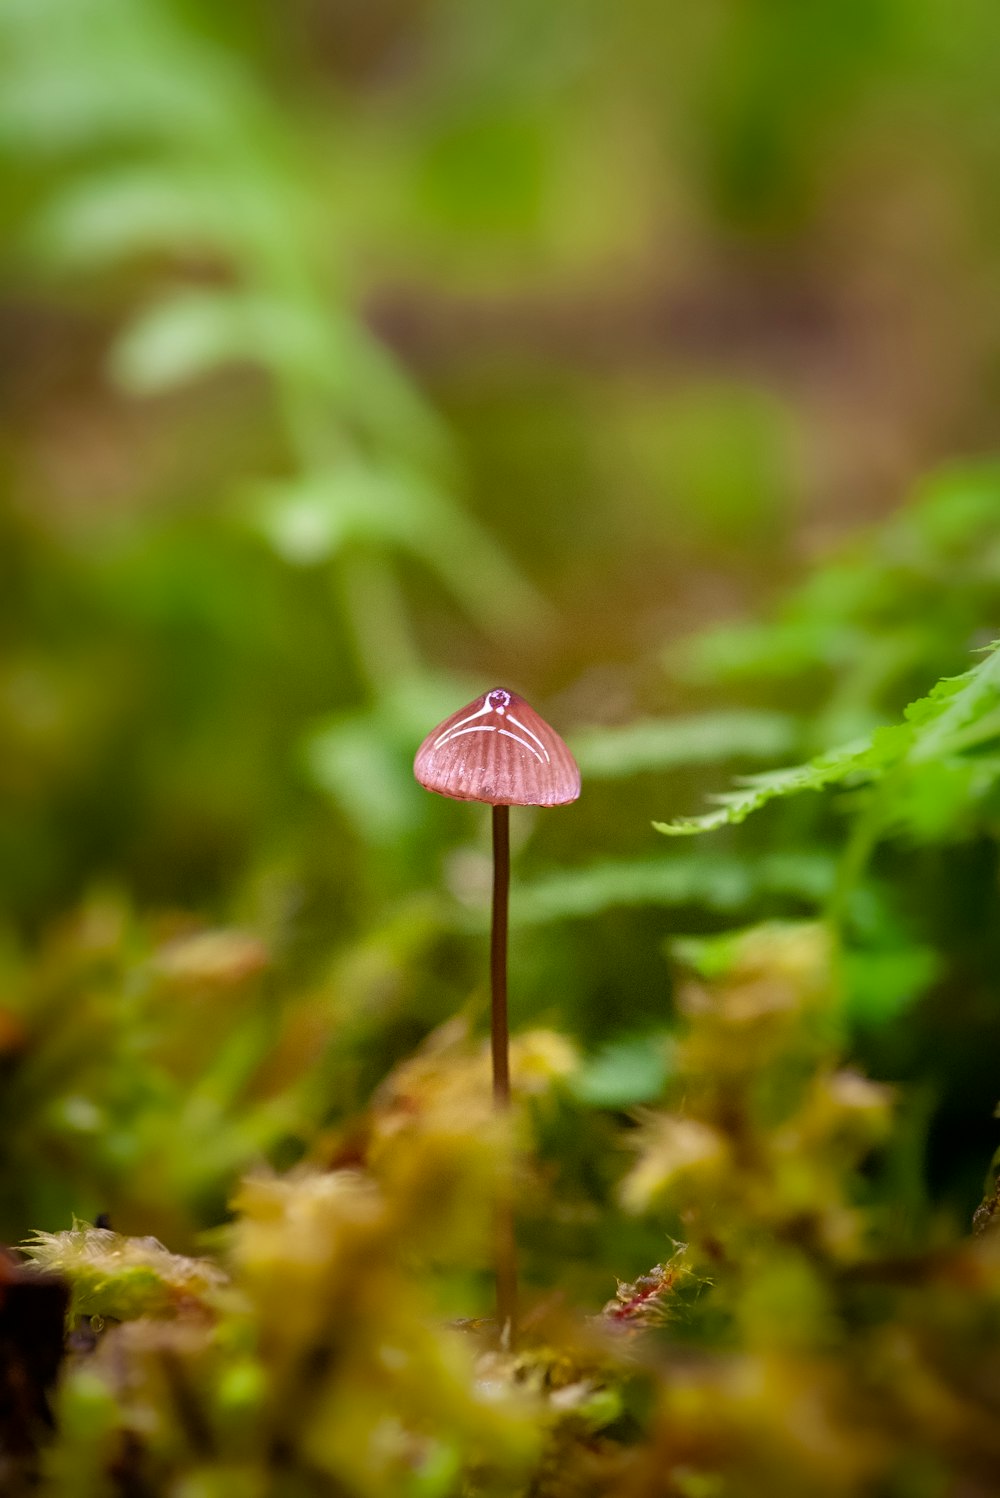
[(498, 750)]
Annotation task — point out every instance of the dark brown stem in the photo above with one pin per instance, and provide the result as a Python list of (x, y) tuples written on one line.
[(506, 1248), (499, 1038)]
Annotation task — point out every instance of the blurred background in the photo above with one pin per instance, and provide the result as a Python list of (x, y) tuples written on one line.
[(361, 355)]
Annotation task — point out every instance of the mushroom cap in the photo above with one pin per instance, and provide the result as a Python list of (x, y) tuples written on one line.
[(498, 750)]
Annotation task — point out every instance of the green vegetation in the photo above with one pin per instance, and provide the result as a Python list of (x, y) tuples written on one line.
[(366, 357)]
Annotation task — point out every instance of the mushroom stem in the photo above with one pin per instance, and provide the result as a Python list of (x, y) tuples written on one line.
[(499, 1038), (506, 1245)]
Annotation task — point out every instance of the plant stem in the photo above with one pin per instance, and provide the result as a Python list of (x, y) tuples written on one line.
[(506, 1248)]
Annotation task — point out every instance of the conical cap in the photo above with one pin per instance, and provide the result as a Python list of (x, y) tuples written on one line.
[(497, 749)]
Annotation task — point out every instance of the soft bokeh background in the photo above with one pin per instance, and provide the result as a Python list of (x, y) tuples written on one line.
[(361, 355)]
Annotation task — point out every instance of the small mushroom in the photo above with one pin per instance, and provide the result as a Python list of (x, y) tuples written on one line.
[(498, 750)]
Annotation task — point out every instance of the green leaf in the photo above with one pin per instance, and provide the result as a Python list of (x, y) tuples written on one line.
[(364, 760), (309, 519), (959, 717), (352, 760), (300, 340), (961, 712), (106, 219), (902, 600), (94, 73), (186, 336), (193, 333), (718, 882), (663, 744), (756, 790)]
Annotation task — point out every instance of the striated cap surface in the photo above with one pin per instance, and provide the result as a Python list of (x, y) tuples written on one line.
[(498, 750)]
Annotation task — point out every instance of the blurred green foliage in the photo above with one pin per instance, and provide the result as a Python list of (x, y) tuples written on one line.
[(363, 357)]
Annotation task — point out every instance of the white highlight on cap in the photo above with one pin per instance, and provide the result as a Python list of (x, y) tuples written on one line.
[(457, 733), (508, 735), (531, 735), (451, 732)]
